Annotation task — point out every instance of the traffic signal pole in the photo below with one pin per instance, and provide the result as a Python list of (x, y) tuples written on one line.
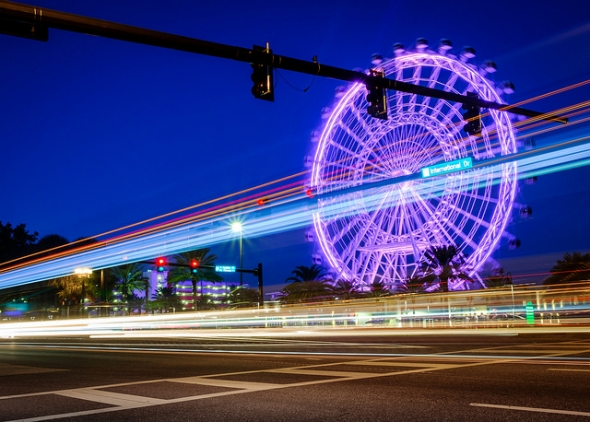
[(36, 20)]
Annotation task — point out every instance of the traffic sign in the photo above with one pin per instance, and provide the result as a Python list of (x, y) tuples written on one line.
[(225, 268), (447, 167)]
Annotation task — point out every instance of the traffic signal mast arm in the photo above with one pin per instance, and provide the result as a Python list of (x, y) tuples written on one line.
[(40, 19)]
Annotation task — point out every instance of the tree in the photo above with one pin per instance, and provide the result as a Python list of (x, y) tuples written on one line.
[(444, 263), (184, 272), (15, 242), (241, 297), (51, 241), (164, 299), (414, 284), (303, 273), (75, 288), (574, 267), (68, 287), (498, 278), (129, 280), (344, 289), (306, 291), (378, 289)]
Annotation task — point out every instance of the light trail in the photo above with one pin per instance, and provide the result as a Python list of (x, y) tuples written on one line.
[(290, 209), (207, 223), (444, 314)]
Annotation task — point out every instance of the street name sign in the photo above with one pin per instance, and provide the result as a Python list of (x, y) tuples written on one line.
[(225, 268), (447, 167)]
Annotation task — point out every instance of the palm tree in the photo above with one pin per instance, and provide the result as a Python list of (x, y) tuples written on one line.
[(303, 273), (445, 263), (129, 280), (185, 272), (574, 267), (306, 291), (414, 284), (344, 289), (378, 289), (164, 299)]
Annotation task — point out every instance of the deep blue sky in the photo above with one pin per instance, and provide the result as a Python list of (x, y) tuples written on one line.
[(99, 133)]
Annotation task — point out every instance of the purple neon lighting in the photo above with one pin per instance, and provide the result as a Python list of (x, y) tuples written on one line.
[(386, 241)]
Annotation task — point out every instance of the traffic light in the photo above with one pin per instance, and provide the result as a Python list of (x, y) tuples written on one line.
[(161, 264), (262, 201), (194, 264), (472, 117), (262, 74), (377, 97)]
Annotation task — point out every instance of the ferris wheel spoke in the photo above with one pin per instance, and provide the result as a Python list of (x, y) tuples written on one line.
[(452, 232), (475, 219), (475, 196), (351, 134), (430, 214), (350, 154), (346, 229), (410, 230), (431, 83), (368, 226)]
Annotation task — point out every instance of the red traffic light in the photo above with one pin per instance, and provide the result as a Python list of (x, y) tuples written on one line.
[(194, 264), (262, 201), (160, 264)]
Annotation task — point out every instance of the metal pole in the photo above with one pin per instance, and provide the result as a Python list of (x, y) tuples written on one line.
[(21, 13), (241, 260), (260, 289)]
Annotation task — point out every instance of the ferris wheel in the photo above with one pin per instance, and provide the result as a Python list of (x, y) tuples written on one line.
[(376, 215)]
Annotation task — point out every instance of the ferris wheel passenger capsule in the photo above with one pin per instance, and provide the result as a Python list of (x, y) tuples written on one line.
[(489, 66), (421, 44), (398, 49), (376, 59), (467, 53), (508, 87), (444, 46)]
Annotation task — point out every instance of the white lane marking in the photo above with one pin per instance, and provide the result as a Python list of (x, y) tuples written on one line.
[(266, 386), (568, 369), (532, 409), (108, 397), (238, 385)]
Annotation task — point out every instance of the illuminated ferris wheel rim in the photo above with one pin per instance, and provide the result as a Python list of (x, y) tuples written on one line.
[(416, 113)]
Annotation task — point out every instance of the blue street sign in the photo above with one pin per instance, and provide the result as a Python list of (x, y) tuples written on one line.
[(447, 167), (225, 268)]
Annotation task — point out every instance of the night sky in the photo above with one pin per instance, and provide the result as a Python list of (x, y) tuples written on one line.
[(98, 133)]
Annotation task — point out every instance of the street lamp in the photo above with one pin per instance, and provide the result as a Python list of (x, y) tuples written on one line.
[(83, 273), (237, 227)]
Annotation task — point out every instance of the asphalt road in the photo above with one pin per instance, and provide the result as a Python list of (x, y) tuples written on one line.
[(346, 376)]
